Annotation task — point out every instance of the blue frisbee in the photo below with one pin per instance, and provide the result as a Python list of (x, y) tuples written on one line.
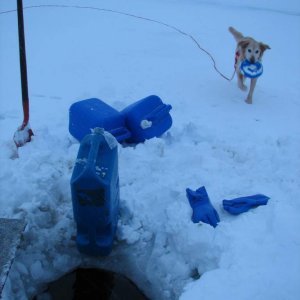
[(251, 70)]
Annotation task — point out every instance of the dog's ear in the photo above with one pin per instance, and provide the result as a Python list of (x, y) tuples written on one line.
[(243, 43), (263, 47)]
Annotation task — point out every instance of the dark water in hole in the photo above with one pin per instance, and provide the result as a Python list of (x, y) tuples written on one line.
[(92, 284)]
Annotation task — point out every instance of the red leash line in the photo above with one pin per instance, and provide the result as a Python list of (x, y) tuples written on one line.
[(213, 60), (137, 17)]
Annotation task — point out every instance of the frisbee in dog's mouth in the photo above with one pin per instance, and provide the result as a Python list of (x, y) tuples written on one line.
[(251, 70)]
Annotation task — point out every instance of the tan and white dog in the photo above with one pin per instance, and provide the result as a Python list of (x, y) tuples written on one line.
[(247, 48)]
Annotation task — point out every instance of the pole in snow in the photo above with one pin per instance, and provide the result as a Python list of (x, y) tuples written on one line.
[(24, 132)]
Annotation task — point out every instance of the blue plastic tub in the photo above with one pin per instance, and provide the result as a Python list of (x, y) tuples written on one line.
[(147, 118), (88, 114), (95, 193)]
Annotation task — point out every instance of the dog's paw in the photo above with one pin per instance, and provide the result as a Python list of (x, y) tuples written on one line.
[(248, 101), (243, 87)]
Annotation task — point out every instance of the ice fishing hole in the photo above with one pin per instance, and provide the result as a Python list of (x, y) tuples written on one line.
[(92, 284)]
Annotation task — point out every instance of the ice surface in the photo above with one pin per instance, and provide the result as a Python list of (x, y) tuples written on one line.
[(10, 235)]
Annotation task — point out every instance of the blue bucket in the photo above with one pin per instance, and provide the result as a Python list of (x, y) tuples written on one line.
[(95, 193)]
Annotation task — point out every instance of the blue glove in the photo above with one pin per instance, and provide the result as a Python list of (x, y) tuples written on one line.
[(243, 204), (202, 208)]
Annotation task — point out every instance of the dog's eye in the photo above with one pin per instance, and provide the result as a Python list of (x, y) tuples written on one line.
[(249, 50), (256, 51)]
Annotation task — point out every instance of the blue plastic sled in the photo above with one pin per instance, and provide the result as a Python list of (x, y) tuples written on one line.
[(88, 114), (95, 193)]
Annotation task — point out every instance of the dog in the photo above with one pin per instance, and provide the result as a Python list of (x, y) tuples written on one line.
[(251, 50)]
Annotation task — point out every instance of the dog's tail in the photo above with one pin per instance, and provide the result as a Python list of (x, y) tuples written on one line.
[(237, 35)]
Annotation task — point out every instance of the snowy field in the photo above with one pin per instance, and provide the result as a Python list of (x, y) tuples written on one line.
[(217, 141)]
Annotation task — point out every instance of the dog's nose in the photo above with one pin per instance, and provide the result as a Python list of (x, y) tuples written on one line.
[(252, 60)]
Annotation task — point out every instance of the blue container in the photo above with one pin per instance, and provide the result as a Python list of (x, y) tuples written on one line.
[(147, 118), (88, 114), (95, 193)]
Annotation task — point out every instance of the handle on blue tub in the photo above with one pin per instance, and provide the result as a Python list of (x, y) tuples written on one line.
[(120, 133), (94, 149), (158, 113)]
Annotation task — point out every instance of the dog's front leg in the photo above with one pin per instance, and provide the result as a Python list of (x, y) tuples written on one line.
[(251, 90), (241, 83)]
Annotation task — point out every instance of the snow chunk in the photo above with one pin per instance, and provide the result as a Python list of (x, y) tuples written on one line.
[(36, 270)]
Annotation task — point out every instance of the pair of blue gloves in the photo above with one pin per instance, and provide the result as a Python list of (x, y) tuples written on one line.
[(204, 211)]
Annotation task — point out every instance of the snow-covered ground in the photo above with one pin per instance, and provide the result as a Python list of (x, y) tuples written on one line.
[(216, 140)]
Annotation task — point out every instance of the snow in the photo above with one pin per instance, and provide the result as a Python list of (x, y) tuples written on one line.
[(217, 140)]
